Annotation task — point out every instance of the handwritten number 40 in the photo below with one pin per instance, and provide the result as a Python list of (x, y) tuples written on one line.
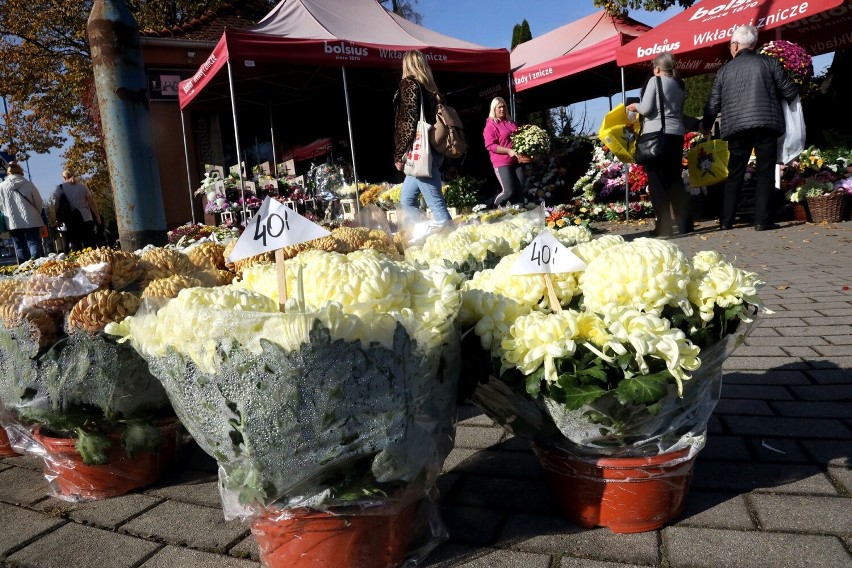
[(541, 255), (274, 225)]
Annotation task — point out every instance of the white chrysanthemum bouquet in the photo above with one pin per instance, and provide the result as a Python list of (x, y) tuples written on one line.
[(344, 398), (628, 364)]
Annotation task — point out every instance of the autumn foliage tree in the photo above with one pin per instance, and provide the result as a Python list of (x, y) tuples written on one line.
[(48, 84)]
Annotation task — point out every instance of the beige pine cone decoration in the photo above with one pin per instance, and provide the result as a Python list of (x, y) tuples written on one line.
[(97, 264), (224, 277), (95, 311), (240, 265), (43, 327), (162, 263), (10, 290), (10, 313), (207, 256), (293, 250), (170, 286), (353, 237), (328, 243), (58, 269), (125, 269)]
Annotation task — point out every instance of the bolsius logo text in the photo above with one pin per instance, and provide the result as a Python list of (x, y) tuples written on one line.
[(343, 49), (702, 12), (657, 48)]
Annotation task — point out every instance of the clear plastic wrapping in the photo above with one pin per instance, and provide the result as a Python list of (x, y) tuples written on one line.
[(89, 407), (606, 428), (336, 415)]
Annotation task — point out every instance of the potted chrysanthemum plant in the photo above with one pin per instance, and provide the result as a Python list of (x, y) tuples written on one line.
[(530, 142), (617, 382), (72, 395)]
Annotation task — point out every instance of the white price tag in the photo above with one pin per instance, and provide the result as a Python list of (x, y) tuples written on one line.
[(546, 255), (274, 226)]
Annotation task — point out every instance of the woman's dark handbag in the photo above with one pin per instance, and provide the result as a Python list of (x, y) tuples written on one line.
[(651, 147)]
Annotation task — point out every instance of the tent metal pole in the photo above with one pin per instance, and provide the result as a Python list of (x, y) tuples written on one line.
[(237, 137), (186, 157), (272, 141), (511, 96), (351, 140), (627, 176)]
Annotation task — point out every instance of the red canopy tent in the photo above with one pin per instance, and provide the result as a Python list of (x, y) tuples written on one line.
[(301, 53), (575, 62), (318, 147), (698, 35)]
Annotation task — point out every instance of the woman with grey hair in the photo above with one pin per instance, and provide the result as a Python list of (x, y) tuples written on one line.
[(665, 174), (21, 202)]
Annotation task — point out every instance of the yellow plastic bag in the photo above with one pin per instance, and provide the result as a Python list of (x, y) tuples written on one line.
[(708, 163), (619, 134)]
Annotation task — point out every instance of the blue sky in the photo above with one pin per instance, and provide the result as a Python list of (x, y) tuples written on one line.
[(486, 22)]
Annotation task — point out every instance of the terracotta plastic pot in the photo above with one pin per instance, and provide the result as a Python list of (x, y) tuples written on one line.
[(310, 539), (69, 477), (6, 450), (800, 212), (524, 159), (627, 495)]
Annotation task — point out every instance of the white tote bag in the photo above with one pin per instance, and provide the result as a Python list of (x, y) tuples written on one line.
[(418, 161), (793, 142)]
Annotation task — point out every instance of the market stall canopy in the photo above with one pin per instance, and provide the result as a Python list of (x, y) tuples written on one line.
[(575, 62), (316, 148), (699, 35), (330, 33)]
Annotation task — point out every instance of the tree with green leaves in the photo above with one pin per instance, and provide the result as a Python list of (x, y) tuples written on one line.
[(621, 7), (403, 8), (521, 33)]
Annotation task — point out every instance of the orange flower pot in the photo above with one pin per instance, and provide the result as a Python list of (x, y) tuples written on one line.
[(6, 450), (310, 539), (523, 159), (627, 495), (800, 212), (72, 479)]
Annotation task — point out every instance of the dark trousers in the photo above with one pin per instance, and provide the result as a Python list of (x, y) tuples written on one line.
[(27, 243), (511, 180), (668, 194), (764, 142)]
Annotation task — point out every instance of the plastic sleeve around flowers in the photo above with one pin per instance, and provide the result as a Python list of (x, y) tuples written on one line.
[(680, 422), (83, 382), (318, 408)]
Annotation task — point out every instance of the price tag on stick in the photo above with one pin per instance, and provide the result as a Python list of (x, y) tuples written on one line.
[(546, 256), (274, 227)]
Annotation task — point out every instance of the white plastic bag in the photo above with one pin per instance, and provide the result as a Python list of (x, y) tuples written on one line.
[(418, 161), (793, 142)]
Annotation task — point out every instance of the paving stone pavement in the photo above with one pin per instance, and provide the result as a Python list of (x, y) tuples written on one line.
[(772, 488)]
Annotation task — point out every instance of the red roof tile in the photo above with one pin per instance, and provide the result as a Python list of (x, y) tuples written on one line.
[(210, 25)]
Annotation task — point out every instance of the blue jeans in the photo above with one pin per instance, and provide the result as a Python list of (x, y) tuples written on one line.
[(431, 189), (27, 243)]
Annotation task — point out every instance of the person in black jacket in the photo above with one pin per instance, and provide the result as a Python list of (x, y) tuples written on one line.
[(748, 92)]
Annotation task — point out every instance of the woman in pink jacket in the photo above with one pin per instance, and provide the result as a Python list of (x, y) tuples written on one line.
[(498, 141)]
